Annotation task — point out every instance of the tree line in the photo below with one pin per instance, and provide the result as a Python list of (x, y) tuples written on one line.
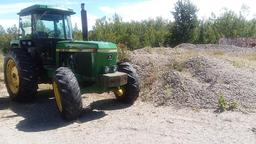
[(158, 32), (186, 28)]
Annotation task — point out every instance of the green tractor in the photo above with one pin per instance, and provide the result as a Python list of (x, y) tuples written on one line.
[(46, 53)]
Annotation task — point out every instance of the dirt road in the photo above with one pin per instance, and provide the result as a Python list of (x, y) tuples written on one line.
[(109, 122)]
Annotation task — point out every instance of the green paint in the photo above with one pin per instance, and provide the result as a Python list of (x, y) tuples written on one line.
[(85, 45), (90, 57)]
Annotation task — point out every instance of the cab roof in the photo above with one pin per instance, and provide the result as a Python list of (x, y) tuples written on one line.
[(43, 8)]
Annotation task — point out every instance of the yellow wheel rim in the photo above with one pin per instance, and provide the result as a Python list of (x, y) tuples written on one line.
[(57, 96), (119, 91), (12, 75)]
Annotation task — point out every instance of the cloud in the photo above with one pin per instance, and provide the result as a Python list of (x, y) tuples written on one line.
[(141, 10), (11, 10), (6, 23), (206, 7), (107, 10), (77, 20), (14, 7)]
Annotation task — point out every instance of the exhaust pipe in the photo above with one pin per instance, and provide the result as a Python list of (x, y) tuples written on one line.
[(84, 23)]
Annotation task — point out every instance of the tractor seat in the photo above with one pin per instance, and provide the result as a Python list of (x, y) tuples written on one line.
[(40, 34)]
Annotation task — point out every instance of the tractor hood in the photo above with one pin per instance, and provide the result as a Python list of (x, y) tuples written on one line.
[(89, 59), (86, 46)]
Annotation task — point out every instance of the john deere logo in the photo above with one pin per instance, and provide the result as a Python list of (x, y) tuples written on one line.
[(109, 57)]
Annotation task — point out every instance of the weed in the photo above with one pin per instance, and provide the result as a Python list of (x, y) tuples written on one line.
[(238, 64), (222, 103), (218, 53), (199, 64), (251, 56), (179, 66), (233, 105), (122, 52)]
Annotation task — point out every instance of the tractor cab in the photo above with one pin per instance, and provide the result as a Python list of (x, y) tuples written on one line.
[(42, 22), (41, 27)]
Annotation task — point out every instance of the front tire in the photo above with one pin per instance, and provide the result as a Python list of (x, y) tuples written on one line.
[(67, 94), (19, 75), (130, 91)]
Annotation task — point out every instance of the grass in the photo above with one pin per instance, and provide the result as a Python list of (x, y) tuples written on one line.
[(224, 105), (238, 63), (218, 53), (251, 56), (238, 60), (179, 66), (233, 105)]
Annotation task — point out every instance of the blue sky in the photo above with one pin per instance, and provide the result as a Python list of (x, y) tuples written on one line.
[(128, 9)]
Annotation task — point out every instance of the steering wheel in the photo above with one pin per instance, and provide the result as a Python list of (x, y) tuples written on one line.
[(51, 33)]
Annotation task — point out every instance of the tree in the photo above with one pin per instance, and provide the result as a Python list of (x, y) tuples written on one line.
[(2, 30), (134, 35), (77, 34), (185, 22)]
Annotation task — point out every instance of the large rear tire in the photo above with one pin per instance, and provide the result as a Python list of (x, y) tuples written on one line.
[(67, 94), (130, 91), (20, 75)]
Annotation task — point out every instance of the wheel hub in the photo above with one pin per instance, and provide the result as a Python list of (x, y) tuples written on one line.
[(57, 96), (119, 91), (12, 76)]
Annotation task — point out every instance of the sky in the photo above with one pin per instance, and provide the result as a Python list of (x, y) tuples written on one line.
[(136, 10)]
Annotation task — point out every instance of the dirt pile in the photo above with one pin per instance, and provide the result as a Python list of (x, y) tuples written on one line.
[(242, 41), (194, 78)]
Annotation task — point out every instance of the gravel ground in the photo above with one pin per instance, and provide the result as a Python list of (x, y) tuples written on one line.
[(109, 122)]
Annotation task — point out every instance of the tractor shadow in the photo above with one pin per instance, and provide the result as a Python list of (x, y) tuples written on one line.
[(42, 114), (4, 103)]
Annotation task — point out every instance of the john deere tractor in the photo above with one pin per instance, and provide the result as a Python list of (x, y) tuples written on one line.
[(46, 53)]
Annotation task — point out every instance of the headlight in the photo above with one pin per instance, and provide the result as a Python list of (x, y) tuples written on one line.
[(106, 69), (29, 43), (114, 68), (24, 43)]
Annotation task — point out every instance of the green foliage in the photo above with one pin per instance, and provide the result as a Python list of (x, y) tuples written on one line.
[(222, 103), (228, 24), (7, 35), (77, 34), (133, 34), (185, 22)]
